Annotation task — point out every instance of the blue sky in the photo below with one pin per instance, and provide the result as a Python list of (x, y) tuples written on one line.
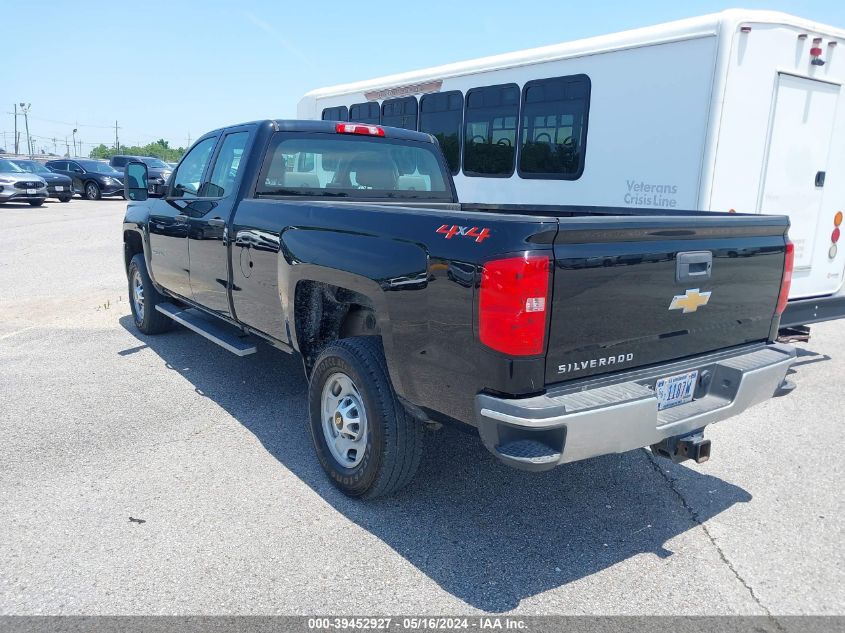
[(180, 68)]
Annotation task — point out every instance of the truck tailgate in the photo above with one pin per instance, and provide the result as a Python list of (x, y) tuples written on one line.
[(618, 301)]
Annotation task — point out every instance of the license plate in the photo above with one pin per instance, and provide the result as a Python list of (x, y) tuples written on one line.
[(675, 390), (31, 192), (60, 188)]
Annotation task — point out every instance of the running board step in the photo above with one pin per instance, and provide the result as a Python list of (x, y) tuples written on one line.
[(213, 329)]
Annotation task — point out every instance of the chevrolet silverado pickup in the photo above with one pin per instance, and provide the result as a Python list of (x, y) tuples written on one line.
[(560, 333)]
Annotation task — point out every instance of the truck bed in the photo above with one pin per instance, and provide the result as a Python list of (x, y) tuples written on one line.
[(617, 277)]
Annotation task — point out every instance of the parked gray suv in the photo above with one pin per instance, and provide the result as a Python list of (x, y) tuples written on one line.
[(16, 185)]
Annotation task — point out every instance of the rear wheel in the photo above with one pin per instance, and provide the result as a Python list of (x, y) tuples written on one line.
[(92, 191), (65, 198), (36, 203), (365, 440), (143, 299)]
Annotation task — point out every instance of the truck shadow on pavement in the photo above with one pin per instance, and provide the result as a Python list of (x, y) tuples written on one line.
[(487, 534)]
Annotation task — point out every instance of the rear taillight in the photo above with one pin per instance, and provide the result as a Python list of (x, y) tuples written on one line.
[(513, 301), (788, 263), (359, 128)]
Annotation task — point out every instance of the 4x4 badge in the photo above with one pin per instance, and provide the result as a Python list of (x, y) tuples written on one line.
[(480, 234), (691, 301)]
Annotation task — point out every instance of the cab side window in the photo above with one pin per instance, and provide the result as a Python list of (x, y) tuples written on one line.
[(187, 179), (226, 167)]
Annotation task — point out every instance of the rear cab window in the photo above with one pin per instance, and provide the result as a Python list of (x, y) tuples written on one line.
[(353, 166)]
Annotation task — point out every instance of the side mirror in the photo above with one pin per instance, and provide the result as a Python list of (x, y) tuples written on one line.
[(135, 182), (79, 170)]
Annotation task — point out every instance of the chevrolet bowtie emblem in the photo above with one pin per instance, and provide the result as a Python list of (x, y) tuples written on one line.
[(691, 301)]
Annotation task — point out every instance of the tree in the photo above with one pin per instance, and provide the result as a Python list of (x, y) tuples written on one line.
[(160, 149)]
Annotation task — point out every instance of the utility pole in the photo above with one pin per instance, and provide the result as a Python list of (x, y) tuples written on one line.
[(16, 129), (67, 147), (25, 109), (116, 140), (80, 148), (189, 139), (54, 145), (74, 141)]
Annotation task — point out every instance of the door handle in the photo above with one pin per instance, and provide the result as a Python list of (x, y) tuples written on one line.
[(218, 222), (180, 218), (693, 266)]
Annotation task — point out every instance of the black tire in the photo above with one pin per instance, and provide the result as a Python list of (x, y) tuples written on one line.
[(393, 437), (36, 203), (150, 320), (92, 191), (65, 198)]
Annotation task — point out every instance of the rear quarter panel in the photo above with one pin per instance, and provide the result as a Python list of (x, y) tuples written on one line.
[(420, 282)]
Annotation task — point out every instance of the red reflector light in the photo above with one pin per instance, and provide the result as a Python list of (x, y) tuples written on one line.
[(816, 51), (788, 264), (359, 128), (512, 305), (834, 237)]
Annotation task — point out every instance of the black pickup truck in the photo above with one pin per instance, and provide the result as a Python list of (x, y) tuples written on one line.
[(560, 333)]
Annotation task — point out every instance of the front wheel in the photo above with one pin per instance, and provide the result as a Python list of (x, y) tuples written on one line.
[(365, 440), (92, 191), (143, 299)]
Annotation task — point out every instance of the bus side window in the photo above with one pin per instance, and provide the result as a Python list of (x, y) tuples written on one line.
[(553, 127), (490, 130), (441, 115), (365, 112), (340, 113), (400, 113)]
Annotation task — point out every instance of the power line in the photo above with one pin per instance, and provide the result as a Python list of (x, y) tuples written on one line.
[(92, 125), (68, 123)]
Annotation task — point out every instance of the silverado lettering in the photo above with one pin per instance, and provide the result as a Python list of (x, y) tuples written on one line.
[(595, 362)]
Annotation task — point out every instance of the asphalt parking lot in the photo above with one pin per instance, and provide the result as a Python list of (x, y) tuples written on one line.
[(163, 475)]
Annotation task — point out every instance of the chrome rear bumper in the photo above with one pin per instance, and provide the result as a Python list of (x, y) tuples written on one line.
[(618, 413)]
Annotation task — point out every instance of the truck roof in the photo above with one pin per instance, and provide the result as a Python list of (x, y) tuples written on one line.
[(711, 24), (297, 125)]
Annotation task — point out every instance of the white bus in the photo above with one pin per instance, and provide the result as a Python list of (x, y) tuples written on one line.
[(740, 110)]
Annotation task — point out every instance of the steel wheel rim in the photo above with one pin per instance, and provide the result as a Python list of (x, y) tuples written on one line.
[(92, 191), (344, 420), (138, 295)]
